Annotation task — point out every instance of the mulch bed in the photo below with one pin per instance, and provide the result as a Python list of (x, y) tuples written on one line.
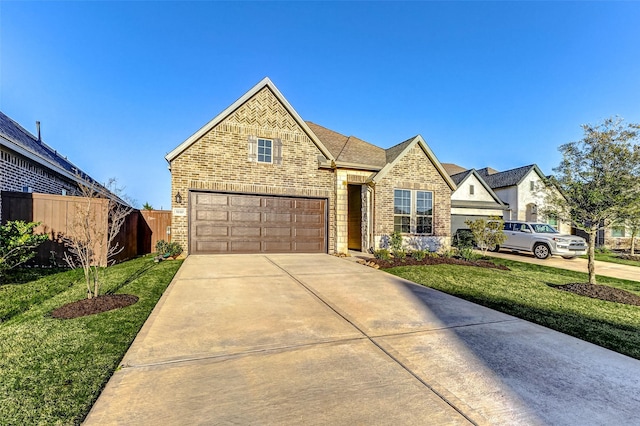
[(601, 292), (409, 261), (96, 305)]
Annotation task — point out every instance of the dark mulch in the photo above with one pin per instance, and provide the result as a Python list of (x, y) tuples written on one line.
[(601, 292), (96, 305), (409, 261)]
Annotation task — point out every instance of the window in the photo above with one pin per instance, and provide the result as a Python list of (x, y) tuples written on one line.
[(263, 150), (553, 220), (471, 189), (402, 210), (265, 147), (532, 185), (617, 231), (413, 211)]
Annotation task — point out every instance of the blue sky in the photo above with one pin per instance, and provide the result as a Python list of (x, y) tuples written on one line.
[(117, 85)]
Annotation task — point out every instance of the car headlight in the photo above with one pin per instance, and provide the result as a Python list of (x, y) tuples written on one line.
[(560, 240)]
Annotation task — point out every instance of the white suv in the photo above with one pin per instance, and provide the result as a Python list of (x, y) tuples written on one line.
[(541, 239)]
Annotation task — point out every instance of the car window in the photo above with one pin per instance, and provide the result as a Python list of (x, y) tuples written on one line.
[(508, 226), (543, 228)]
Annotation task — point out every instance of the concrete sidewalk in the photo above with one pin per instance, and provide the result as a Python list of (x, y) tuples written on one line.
[(314, 339), (606, 269)]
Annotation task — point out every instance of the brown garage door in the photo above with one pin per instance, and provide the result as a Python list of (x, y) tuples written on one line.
[(242, 223)]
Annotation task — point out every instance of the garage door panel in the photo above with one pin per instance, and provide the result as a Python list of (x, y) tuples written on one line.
[(212, 231), (221, 216), (284, 218), (276, 232), (245, 246), (276, 246), (212, 247), (242, 216), (245, 231), (211, 199), (244, 201), (243, 223)]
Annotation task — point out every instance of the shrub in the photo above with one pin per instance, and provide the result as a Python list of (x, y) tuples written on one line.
[(172, 249), (162, 247), (419, 255), (463, 238), (468, 254), (18, 243), (382, 254)]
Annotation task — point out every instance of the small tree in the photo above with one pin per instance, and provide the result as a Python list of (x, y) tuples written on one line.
[(598, 177), (147, 206), (99, 215), (631, 219), (18, 243), (487, 233)]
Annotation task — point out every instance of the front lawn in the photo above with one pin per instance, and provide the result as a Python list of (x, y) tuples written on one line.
[(52, 370), (614, 258), (526, 291)]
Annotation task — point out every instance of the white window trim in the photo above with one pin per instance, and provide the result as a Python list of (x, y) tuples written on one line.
[(270, 151), (413, 211)]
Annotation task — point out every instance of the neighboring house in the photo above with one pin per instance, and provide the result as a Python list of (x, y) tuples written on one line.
[(523, 189), (473, 199), (258, 178), (27, 164)]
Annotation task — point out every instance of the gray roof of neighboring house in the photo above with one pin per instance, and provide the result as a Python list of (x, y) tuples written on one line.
[(12, 132), (507, 178), (459, 177)]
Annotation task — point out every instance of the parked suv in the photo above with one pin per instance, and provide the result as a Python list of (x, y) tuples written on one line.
[(541, 239)]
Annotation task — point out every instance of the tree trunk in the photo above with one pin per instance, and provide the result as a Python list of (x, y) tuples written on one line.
[(592, 254), (633, 243)]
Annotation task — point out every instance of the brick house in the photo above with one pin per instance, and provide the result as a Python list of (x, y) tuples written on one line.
[(27, 164), (258, 178)]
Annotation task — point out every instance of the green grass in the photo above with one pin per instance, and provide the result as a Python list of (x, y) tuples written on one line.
[(613, 258), (526, 291), (51, 370)]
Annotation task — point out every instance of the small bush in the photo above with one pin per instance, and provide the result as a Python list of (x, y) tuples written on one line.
[(172, 249), (382, 254), (400, 254), (468, 254), (449, 253), (419, 255), (463, 238)]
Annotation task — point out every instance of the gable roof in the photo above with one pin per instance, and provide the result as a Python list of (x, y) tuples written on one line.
[(395, 154), (460, 178), (16, 138), (509, 177), (265, 82)]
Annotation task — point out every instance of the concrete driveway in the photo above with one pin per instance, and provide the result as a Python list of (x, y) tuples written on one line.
[(314, 339), (607, 269)]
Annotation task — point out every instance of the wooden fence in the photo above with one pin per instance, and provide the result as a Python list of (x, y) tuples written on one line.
[(138, 235)]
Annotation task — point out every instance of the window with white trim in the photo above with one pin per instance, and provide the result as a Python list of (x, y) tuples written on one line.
[(412, 211), (265, 148), (617, 231)]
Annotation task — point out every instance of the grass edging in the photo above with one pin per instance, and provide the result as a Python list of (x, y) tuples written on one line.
[(526, 292), (52, 370)]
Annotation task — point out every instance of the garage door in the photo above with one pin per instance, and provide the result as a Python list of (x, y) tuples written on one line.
[(242, 223)]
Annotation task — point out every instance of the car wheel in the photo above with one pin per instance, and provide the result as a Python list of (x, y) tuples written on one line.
[(496, 249), (541, 251)]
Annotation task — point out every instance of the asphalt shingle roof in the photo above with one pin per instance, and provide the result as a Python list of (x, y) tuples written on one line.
[(15, 133), (506, 178), (459, 177), (349, 149), (453, 169)]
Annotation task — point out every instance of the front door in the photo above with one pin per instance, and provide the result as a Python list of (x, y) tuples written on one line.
[(355, 217)]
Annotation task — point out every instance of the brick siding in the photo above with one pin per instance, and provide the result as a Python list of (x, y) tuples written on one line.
[(17, 172), (218, 161)]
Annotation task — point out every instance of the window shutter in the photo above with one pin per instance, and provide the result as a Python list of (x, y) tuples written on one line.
[(277, 152), (252, 149)]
